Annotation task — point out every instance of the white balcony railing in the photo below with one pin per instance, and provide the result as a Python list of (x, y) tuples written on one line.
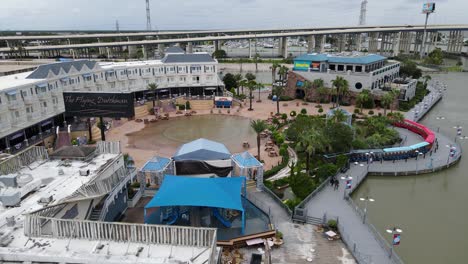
[(43, 96), (32, 116), (14, 105), (28, 100)]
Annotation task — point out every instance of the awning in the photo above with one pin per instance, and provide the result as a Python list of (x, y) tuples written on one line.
[(163, 91), (15, 136), (192, 191), (86, 75), (110, 71), (254, 241), (211, 88), (46, 123), (11, 93), (66, 79), (41, 85)]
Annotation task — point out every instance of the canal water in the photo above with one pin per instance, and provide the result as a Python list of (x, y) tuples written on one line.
[(431, 209)]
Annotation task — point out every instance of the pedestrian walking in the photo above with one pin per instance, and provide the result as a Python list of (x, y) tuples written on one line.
[(337, 184), (332, 181)]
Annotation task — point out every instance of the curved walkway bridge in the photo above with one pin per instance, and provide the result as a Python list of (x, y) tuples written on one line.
[(363, 240)]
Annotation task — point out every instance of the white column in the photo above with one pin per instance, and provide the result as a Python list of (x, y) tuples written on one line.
[(310, 44)]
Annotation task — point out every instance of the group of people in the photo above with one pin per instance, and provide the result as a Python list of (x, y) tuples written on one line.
[(334, 183)]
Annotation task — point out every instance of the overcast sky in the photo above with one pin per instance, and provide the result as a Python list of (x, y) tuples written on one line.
[(218, 14)]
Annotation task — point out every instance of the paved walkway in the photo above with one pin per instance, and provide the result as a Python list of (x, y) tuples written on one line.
[(359, 236), (300, 240), (286, 171)]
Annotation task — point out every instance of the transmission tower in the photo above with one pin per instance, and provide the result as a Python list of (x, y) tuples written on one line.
[(148, 16), (117, 27), (362, 17)]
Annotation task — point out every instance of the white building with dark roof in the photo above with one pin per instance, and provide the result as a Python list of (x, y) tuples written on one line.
[(32, 103)]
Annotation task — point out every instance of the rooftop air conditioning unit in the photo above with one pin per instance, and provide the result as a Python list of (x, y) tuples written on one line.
[(46, 199), (84, 172)]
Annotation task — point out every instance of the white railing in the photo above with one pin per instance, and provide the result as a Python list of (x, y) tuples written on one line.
[(115, 192), (41, 226), (26, 158)]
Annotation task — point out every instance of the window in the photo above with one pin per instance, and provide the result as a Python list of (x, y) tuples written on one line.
[(349, 67), (358, 68), (29, 109), (340, 67), (332, 67), (358, 85)]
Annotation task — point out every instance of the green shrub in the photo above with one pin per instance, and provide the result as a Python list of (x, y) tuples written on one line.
[(332, 224), (320, 110), (187, 105), (291, 204), (284, 116), (285, 98), (357, 111), (371, 112), (279, 235), (181, 107), (293, 113), (326, 170), (74, 142), (136, 185), (341, 161), (304, 111)]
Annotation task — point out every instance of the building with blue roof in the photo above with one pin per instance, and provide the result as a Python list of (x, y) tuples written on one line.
[(362, 71)]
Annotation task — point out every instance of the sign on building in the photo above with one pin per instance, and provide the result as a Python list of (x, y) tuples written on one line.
[(113, 105)]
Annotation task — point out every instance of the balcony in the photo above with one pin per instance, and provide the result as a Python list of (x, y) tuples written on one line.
[(32, 116), (55, 93), (28, 100), (3, 107), (17, 121), (44, 111), (14, 105), (43, 96)]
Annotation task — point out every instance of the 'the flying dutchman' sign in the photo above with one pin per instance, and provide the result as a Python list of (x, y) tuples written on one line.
[(99, 104)]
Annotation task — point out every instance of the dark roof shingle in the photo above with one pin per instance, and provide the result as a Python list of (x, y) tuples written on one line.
[(188, 58), (42, 71)]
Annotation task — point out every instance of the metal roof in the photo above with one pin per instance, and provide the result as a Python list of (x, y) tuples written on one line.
[(331, 58), (202, 149), (156, 164), (187, 58), (43, 70), (175, 49), (246, 160)]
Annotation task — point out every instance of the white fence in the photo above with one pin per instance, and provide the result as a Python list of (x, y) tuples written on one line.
[(40, 226)]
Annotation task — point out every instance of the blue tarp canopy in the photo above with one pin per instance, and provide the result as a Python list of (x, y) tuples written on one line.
[(190, 191), (202, 149), (246, 160), (156, 164)]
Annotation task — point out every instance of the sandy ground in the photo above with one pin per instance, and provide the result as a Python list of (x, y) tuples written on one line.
[(262, 110)]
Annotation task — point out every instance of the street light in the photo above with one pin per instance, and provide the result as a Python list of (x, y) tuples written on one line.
[(418, 153), (439, 118), (366, 200), (395, 232), (348, 184)]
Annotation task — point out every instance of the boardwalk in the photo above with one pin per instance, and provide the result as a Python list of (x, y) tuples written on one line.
[(368, 245)]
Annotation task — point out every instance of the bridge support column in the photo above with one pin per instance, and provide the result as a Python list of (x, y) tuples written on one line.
[(217, 44), (373, 42), (145, 53), (417, 42), (321, 47), (358, 41), (341, 42), (108, 52), (433, 41), (161, 50), (382, 43), (310, 44), (283, 47), (396, 43), (189, 48), (250, 48), (460, 43)]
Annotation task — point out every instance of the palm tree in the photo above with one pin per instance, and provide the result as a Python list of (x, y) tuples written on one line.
[(342, 87), (251, 85), (426, 79), (339, 116), (273, 68), (363, 97), (307, 87), (396, 117), (258, 126), (153, 87), (238, 77), (283, 72), (395, 93), (242, 84), (322, 92), (317, 84), (278, 90), (310, 142), (256, 57), (386, 101), (259, 86)]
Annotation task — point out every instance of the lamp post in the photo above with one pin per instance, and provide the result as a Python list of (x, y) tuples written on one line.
[(439, 118), (366, 200), (459, 132), (348, 184), (418, 153), (395, 232)]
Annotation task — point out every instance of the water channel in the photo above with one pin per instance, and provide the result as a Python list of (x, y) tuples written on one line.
[(431, 209)]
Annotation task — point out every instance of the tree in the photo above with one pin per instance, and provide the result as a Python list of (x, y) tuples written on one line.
[(259, 87), (243, 83), (310, 142), (256, 58), (339, 116), (396, 117), (409, 68), (153, 87), (229, 81), (307, 86), (322, 92), (342, 88), (435, 57), (426, 79), (278, 90), (283, 72), (273, 68), (220, 54), (362, 98), (250, 76), (258, 126), (386, 101), (238, 77), (251, 85), (318, 84)]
